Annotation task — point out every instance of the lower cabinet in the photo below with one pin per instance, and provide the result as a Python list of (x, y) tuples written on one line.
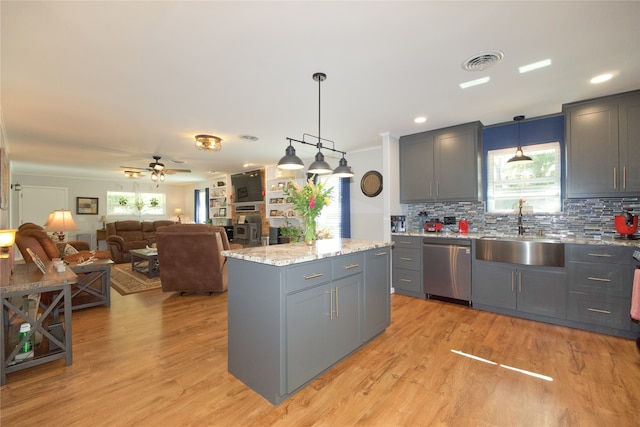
[(534, 290), (288, 324), (407, 265)]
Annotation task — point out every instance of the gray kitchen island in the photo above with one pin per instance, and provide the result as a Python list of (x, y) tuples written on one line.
[(295, 310)]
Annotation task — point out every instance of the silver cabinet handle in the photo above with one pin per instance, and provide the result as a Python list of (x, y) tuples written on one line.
[(337, 299), (597, 310), (330, 303), (624, 177), (313, 276), (349, 267), (601, 255), (406, 259), (405, 243), (512, 279), (598, 279), (406, 280), (615, 181), (381, 254), (520, 281)]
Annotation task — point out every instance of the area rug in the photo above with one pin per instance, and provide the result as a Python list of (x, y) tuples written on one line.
[(128, 282)]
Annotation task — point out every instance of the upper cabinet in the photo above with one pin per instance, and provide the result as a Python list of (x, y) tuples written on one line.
[(603, 146), (443, 165)]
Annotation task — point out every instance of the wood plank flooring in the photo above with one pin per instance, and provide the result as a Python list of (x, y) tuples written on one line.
[(156, 359)]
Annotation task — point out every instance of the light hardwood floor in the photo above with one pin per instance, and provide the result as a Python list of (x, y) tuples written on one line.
[(157, 359)]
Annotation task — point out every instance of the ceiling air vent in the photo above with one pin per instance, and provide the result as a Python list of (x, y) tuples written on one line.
[(482, 60)]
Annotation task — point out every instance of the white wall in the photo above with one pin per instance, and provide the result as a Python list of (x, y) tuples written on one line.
[(367, 213), (176, 195)]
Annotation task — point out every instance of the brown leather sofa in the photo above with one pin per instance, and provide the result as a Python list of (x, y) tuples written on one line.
[(190, 260), (123, 236)]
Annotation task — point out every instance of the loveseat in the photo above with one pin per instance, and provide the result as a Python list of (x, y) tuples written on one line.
[(122, 236), (190, 259)]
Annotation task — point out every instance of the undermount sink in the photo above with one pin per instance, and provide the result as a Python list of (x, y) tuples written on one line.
[(528, 250)]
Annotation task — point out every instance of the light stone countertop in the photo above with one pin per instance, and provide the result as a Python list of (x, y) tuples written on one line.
[(607, 241), (294, 253)]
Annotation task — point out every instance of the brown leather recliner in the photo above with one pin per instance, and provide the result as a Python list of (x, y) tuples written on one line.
[(189, 258), (79, 245), (123, 236), (41, 244)]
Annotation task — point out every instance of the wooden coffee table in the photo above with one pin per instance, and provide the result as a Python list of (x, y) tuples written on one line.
[(145, 261)]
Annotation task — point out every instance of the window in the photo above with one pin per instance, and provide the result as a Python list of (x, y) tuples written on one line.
[(128, 203), (537, 182), (335, 216)]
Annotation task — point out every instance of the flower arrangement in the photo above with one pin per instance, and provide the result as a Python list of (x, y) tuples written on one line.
[(309, 200)]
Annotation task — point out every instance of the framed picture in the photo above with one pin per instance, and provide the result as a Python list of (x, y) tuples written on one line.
[(222, 212), (292, 213), (87, 205), (281, 186), (273, 212)]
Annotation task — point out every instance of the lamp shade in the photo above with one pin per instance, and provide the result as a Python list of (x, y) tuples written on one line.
[(7, 238), (319, 166), (103, 218), (178, 211), (61, 220), (290, 161)]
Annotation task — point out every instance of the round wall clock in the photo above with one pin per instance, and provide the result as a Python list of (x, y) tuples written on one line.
[(371, 184)]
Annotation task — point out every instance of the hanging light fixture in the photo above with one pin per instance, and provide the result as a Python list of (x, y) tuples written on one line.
[(291, 162), (132, 174), (157, 176), (208, 142), (519, 156)]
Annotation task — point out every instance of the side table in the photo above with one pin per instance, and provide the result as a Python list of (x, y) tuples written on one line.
[(145, 261), (100, 235), (26, 281), (93, 286)]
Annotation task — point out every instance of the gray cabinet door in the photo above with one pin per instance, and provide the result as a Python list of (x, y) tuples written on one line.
[(542, 291), (629, 135), (416, 168), (592, 147), (376, 292), (456, 164), (494, 284), (307, 335), (343, 327)]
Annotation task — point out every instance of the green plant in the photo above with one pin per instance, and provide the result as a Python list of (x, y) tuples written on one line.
[(293, 233), (122, 201), (154, 202)]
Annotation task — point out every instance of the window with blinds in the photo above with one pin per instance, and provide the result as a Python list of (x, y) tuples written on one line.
[(537, 182), (331, 217)]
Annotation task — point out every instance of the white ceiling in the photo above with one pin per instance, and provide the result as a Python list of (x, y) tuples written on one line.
[(88, 87)]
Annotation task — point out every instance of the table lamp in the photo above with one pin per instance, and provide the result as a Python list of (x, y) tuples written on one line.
[(178, 212), (104, 220), (60, 221), (7, 239)]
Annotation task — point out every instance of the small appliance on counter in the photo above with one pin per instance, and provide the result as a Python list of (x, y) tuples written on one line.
[(463, 226), (433, 225), (398, 223), (627, 225)]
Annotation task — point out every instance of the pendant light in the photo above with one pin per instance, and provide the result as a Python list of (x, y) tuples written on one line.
[(319, 167), (519, 156)]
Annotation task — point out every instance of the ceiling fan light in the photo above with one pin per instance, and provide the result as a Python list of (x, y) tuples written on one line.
[(154, 177), (319, 166), (290, 161), (161, 176), (208, 142), (343, 170)]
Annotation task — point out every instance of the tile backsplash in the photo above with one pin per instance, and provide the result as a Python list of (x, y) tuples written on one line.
[(580, 217)]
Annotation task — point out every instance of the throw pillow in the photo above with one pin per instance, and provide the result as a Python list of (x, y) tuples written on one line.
[(69, 250)]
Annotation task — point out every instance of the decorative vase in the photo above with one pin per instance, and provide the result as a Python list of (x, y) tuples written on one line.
[(309, 230)]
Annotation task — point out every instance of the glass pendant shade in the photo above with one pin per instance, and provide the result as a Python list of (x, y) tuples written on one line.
[(290, 161), (208, 142), (319, 166)]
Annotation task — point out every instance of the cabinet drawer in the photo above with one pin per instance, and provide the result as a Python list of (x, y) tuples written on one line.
[(601, 310), (410, 259), (308, 274), (602, 254), (604, 279), (347, 265), (413, 242), (409, 280)]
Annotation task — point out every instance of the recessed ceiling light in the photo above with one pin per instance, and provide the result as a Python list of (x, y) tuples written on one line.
[(420, 119), (602, 78), (474, 82), (535, 66), (249, 138)]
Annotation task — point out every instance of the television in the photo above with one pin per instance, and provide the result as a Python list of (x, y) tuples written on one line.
[(247, 187)]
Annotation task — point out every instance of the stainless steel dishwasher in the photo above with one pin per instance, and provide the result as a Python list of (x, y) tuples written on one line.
[(447, 268)]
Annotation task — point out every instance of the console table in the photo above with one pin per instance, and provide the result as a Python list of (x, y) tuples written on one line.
[(17, 308), (94, 284)]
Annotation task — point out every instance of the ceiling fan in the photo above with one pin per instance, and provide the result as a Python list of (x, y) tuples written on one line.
[(157, 170)]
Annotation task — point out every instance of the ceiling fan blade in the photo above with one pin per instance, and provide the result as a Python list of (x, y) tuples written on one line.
[(177, 170), (135, 168)]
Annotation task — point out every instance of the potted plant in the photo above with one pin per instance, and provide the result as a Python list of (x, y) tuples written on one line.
[(289, 234), (154, 202), (139, 203), (122, 201)]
